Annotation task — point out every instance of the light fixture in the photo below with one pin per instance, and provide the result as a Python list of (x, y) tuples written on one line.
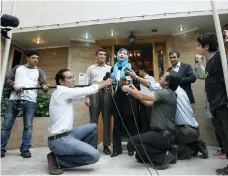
[(138, 54), (130, 55), (131, 38), (112, 33), (115, 56), (87, 36), (181, 28), (38, 41)]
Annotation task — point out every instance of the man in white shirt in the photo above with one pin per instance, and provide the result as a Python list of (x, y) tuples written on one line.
[(187, 126), (22, 76), (71, 147), (145, 111)]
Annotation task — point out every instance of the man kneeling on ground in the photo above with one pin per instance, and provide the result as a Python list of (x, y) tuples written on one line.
[(70, 147), (159, 140)]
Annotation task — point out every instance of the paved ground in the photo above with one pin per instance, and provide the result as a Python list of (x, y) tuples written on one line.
[(14, 164)]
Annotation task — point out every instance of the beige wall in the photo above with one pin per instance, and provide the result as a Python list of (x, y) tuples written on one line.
[(186, 45)]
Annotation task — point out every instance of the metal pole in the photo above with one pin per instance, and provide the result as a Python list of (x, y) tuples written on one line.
[(6, 54), (220, 42)]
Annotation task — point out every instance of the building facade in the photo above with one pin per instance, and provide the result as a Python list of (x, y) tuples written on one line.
[(67, 33)]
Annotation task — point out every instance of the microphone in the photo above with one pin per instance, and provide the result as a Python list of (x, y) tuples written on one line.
[(107, 75), (8, 21)]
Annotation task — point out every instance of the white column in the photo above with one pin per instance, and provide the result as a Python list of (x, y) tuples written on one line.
[(6, 54), (220, 42)]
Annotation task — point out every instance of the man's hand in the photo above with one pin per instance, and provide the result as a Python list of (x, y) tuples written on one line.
[(45, 88), (106, 83), (132, 86), (225, 33), (18, 88), (125, 88), (87, 101), (132, 74), (199, 60)]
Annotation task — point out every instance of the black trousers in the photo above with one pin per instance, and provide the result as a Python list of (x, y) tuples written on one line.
[(156, 145), (102, 102), (220, 120), (186, 139), (144, 117), (125, 105), (219, 140)]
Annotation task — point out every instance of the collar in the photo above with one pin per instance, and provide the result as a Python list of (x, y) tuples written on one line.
[(178, 64), (103, 65), (147, 76)]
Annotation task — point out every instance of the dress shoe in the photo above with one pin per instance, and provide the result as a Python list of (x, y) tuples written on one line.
[(202, 148), (185, 154), (168, 159), (3, 155), (114, 154), (26, 154), (174, 151), (130, 153), (106, 151), (223, 171), (53, 167)]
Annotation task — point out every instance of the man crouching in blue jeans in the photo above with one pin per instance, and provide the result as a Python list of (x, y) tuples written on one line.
[(70, 147)]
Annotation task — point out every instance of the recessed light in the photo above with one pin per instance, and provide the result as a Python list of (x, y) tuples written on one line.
[(181, 28), (112, 33), (38, 41), (87, 36)]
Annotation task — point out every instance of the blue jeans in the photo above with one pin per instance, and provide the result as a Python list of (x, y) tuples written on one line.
[(9, 119), (76, 149)]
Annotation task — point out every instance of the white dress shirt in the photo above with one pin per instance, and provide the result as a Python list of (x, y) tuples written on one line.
[(95, 73), (177, 67), (61, 108), (151, 79)]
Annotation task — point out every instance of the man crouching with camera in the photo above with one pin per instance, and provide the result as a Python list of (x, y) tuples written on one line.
[(71, 147)]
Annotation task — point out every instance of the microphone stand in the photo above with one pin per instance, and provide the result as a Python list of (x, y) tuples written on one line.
[(51, 87)]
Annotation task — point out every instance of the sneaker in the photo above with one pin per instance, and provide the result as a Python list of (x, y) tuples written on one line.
[(174, 151), (3, 155), (106, 151), (26, 154), (223, 171)]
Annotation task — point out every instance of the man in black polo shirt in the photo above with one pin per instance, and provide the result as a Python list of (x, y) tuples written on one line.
[(215, 88), (158, 141)]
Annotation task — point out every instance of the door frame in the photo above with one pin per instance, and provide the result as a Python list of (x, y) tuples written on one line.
[(12, 50)]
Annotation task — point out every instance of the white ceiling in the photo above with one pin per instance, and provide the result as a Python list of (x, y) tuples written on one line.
[(62, 37)]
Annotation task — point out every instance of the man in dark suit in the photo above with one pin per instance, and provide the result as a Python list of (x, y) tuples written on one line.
[(186, 73)]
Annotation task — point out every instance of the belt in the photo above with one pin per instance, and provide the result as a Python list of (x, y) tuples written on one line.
[(50, 138), (188, 126), (164, 131)]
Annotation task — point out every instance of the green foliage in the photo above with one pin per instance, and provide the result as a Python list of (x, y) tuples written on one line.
[(5, 96), (42, 106)]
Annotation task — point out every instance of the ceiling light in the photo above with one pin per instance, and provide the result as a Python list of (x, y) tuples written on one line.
[(38, 41), (112, 33), (87, 36), (138, 54), (130, 55), (181, 28)]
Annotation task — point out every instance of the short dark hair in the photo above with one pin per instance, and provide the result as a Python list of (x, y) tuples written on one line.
[(174, 80), (32, 52), (144, 68), (99, 50), (174, 52), (59, 75), (209, 39)]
